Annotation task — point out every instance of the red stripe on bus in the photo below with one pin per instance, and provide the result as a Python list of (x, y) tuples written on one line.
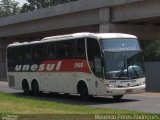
[(72, 65)]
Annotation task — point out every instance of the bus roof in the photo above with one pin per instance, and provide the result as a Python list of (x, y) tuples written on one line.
[(78, 35)]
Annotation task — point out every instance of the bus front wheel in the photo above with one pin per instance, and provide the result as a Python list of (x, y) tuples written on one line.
[(117, 97), (83, 91), (35, 88)]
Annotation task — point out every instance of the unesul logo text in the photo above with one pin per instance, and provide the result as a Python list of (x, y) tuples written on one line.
[(41, 67)]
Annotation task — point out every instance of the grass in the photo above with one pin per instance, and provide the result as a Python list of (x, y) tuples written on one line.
[(10, 104)]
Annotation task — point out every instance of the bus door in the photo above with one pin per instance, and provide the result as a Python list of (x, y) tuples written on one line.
[(94, 60)]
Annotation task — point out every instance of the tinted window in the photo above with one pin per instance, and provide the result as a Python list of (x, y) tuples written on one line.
[(61, 50), (70, 49), (38, 51), (50, 51), (67, 49), (25, 53), (80, 49), (21, 53), (11, 54)]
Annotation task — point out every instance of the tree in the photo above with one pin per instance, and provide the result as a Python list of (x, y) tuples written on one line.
[(9, 7), (38, 4), (151, 50), (26, 8)]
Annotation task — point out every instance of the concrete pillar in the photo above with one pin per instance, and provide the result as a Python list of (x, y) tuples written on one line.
[(104, 18)]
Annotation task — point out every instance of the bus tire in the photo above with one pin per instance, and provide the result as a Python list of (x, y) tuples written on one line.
[(83, 90), (25, 87), (117, 97), (35, 88)]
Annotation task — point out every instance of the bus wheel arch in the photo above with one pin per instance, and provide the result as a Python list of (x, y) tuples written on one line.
[(25, 87), (82, 89), (35, 87)]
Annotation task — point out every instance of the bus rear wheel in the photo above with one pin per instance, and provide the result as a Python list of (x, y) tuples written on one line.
[(25, 87), (117, 97), (35, 88)]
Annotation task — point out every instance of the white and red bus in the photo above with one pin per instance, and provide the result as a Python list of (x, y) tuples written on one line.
[(102, 64)]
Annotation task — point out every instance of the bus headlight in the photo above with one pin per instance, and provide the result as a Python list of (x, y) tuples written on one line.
[(142, 83), (110, 85)]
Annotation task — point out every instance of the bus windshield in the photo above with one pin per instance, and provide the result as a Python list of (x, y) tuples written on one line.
[(123, 59)]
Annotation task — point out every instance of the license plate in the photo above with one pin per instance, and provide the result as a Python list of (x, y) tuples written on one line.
[(129, 91)]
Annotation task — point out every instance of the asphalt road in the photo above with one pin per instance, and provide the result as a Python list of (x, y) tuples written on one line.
[(147, 102)]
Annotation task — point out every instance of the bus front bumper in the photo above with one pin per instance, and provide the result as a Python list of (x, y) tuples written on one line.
[(123, 91)]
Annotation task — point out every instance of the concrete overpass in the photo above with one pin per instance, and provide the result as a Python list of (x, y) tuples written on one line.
[(88, 15), (138, 17), (129, 16)]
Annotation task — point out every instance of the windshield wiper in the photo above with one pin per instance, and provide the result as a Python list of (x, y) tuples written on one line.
[(124, 66), (135, 71)]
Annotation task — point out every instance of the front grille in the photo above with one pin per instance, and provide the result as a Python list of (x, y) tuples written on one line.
[(127, 86)]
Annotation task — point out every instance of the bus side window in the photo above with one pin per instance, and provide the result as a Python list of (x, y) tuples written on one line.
[(94, 56), (12, 54), (71, 49), (38, 51), (50, 51), (65, 49), (27, 52), (60, 53), (12, 57), (20, 53), (81, 49)]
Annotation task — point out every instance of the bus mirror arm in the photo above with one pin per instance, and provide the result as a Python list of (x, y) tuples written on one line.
[(102, 63), (102, 58), (102, 53), (103, 72)]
